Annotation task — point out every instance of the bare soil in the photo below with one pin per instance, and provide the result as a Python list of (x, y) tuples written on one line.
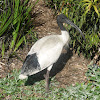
[(69, 69)]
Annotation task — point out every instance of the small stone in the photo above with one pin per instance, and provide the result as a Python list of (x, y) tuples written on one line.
[(1, 63), (12, 65), (0, 66)]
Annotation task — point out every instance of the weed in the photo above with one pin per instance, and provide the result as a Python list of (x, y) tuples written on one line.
[(13, 88)]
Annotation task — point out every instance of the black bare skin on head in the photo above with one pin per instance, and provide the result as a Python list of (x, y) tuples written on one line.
[(30, 64), (63, 19)]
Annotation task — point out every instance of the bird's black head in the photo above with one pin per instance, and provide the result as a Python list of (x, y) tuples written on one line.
[(63, 19)]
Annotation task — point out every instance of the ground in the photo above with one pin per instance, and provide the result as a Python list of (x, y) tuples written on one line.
[(69, 69)]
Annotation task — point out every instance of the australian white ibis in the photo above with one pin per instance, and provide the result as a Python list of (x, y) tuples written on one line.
[(46, 51)]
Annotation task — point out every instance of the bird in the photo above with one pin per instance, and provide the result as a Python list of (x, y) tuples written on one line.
[(46, 51)]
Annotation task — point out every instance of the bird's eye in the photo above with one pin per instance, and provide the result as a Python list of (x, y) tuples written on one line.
[(63, 18)]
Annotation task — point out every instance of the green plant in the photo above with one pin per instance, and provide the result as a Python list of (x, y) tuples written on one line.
[(89, 4), (93, 75), (88, 21), (53, 3), (13, 88), (84, 14), (15, 23)]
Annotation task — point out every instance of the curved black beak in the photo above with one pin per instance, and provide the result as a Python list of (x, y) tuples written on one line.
[(67, 21)]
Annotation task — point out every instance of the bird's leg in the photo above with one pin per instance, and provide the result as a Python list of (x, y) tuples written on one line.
[(47, 80)]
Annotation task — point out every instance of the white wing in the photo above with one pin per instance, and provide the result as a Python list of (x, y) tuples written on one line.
[(42, 42), (48, 50)]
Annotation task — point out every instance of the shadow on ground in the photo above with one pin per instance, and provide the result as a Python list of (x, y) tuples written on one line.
[(57, 67)]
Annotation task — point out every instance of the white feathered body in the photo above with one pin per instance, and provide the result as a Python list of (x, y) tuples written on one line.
[(48, 50)]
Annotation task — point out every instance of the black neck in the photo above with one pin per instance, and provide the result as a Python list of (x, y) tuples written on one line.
[(61, 26)]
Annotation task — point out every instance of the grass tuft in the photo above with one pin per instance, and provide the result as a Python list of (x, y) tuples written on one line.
[(13, 88)]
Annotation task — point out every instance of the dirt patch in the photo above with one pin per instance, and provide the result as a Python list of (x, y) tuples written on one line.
[(69, 69), (45, 20), (74, 71)]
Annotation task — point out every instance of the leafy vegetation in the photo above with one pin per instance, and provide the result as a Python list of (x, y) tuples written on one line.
[(13, 88), (15, 24), (86, 15)]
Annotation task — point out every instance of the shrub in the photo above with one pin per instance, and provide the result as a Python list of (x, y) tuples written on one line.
[(15, 23)]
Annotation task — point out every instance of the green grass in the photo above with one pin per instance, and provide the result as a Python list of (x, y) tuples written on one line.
[(14, 89)]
